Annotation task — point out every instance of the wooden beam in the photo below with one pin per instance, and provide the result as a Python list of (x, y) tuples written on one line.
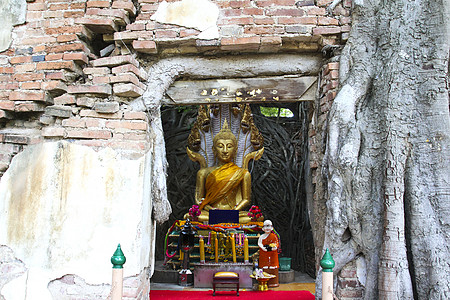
[(243, 90)]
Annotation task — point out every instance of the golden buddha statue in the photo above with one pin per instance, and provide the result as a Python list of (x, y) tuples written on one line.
[(221, 183)]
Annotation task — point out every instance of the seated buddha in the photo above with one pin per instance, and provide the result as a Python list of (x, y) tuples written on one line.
[(223, 184)]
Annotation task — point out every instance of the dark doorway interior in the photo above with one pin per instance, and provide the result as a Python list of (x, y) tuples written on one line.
[(278, 178)]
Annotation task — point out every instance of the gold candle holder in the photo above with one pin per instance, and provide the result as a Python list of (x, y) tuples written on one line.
[(202, 249), (233, 247), (246, 250)]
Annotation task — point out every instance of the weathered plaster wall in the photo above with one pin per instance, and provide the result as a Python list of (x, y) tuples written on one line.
[(63, 210), (12, 12)]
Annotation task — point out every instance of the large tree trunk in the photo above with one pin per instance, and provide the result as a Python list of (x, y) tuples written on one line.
[(387, 155)]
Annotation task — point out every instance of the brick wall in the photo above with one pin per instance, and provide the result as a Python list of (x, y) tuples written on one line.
[(75, 65)]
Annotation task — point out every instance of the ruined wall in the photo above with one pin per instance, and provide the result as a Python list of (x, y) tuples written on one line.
[(74, 68)]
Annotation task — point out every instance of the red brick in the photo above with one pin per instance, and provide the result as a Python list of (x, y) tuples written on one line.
[(244, 43), (107, 107), (53, 14), (93, 114), (253, 11), (291, 12), (74, 122), (126, 5), (73, 14), (115, 61), (135, 136), (66, 38), (27, 96), (7, 70), (25, 68), (145, 46), (7, 105), (326, 30), (31, 85), (20, 59), (29, 106), (104, 89), (165, 34), (149, 7), (136, 26), (314, 10), (130, 68), (240, 3), (77, 46), (238, 21), (54, 86), (328, 21), (232, 12), (28, 76), (298, 20), (134, 115), (126, 36), (263, 21), (132, 125), (60, 75), (89, 134), (125, 77), (276, 2), (103, 25), (5, 78), (50, 65), (78, 5), (188, 32), (64, 29), (36, 6), (259, 30), (101, 79), (94, 122), (34, 15), (64, 99), (334, 74), (324, 2), (52, 132), (98, 3), (9, 86), (118, 15), (57, 56), (97, 71), (59, 6), (78, 58), (333, 66), (127, 90)]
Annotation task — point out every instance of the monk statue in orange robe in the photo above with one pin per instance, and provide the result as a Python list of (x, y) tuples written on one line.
[(220, 182), (268, 252)]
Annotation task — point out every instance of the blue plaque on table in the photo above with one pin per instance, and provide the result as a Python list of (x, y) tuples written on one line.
[(217, 216)]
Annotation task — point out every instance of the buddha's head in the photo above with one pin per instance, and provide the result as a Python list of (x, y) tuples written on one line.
[(224, 144)]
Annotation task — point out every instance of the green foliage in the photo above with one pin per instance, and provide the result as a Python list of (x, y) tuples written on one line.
[(276, 112)]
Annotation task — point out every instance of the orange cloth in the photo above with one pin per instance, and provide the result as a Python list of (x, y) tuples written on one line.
[(222, 181), (269, 258)]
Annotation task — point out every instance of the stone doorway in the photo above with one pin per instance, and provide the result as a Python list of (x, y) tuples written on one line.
[(279, 178)]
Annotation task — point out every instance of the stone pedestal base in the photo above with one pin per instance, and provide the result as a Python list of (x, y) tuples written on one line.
[(286, 276)]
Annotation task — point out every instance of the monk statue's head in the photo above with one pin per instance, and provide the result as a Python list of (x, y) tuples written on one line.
[(224, 144)]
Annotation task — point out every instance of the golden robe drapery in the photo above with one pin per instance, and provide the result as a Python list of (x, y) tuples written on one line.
[(221, 182)]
